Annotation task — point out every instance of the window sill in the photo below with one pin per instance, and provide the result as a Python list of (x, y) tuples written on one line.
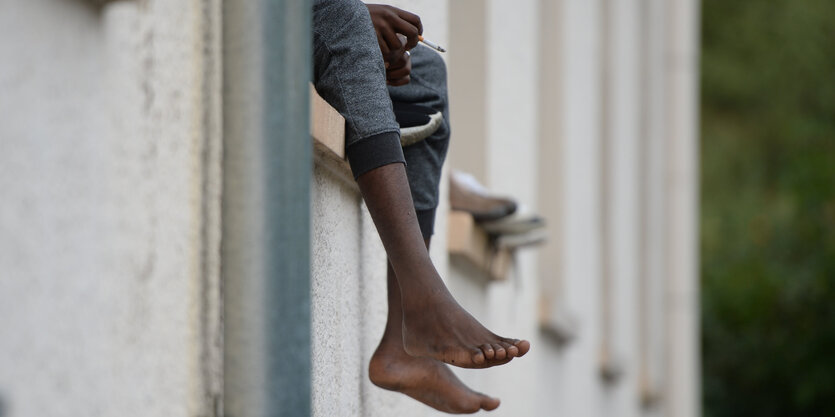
[(560, 326), (327, 130), (469, 243)]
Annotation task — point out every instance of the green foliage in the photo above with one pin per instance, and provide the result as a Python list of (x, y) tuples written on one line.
[(768, 207)]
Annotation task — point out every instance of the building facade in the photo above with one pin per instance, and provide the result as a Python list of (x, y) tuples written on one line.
[(157, 247)]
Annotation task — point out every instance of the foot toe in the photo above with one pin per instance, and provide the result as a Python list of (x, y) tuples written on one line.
[(477, 356), (523, 345), (467, 407), (512, 351), (489, 352), (501, 353), (489, 403)]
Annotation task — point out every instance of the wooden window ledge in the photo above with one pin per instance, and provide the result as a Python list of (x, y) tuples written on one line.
[(327, 130), (469, 243), (556, 324)]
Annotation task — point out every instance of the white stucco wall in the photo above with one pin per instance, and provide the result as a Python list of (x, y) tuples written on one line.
[(622, 120), (338, 276), (509, 168), (615, 65), (109, 222)]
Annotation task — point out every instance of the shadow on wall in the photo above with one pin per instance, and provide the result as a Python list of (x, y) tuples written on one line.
[(96, 6), (2, 407)]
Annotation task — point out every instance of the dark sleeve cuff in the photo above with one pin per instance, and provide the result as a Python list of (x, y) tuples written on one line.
[(374, 152)]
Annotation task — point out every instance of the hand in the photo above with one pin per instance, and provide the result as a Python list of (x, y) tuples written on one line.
[(388, 22), (398, 72)]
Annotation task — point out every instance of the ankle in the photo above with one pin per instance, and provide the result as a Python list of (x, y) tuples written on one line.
[(415, 272), (420, 284), (389, 346), (424, 298)]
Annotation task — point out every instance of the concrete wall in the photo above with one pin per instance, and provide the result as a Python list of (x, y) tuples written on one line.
[(109, 222), (110, 218), (349, 303)]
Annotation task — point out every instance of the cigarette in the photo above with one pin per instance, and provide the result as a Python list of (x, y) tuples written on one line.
[(431, 44)]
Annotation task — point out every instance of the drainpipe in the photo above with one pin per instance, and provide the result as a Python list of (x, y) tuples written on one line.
[(267, 168)]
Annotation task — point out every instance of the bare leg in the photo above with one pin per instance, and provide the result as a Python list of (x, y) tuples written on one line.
[(434, 325), (423, 379)]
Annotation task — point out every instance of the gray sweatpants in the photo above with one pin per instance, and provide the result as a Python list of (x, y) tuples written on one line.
[(424, 160), (348, 72)]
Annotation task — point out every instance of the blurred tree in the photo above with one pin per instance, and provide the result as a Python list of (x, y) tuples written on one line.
[(768, 207)]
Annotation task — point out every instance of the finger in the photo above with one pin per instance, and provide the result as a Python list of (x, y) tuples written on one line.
[(411, 42), (392, 41), (383, 45), (396, 65), (401, 61), (402, 69), (409, 31), (411, 18), (398, 73), (394, 57), (384, 49), (410, 26)]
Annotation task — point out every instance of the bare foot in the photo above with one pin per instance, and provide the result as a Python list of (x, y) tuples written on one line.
[(440, 329), (423, 379), (433, 324), (427, 381)]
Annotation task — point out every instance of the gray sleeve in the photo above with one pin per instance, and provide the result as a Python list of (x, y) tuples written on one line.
[(348, 73)]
